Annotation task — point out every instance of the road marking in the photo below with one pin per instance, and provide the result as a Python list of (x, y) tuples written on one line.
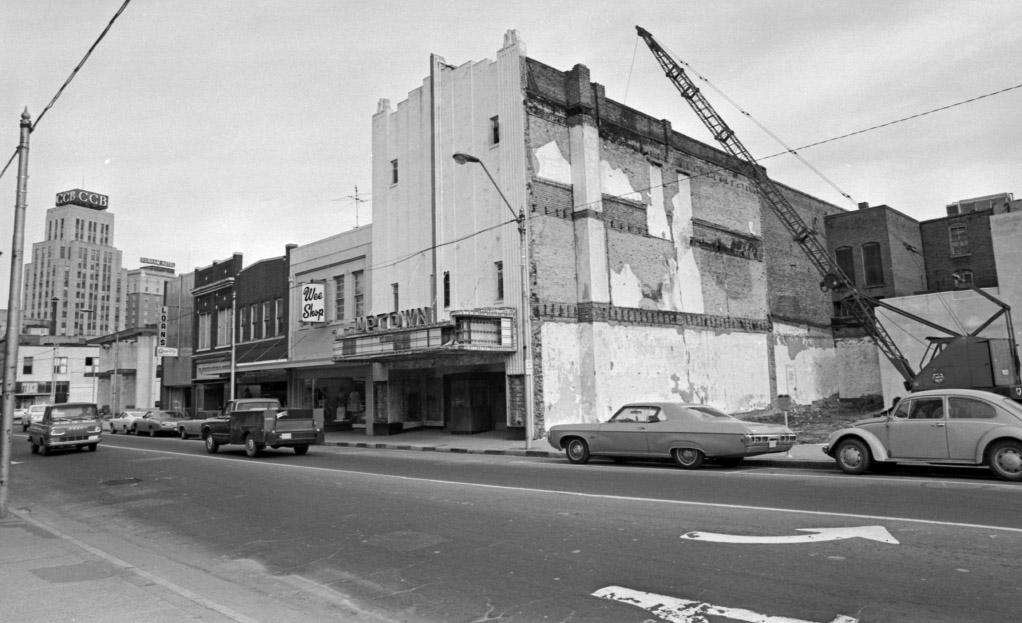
[(603, 496), (687, 611), (872, 533)]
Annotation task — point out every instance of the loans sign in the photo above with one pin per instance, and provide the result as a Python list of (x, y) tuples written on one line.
[(313, 302)]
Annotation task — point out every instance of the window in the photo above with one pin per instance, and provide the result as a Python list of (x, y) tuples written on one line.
[(920, 409), (447, 288), (958, 239), (359, 293), (339, 297), (253, 321), (278, 313), (26, 365), (60, 365), (499, 267), (205, 330), (846, 261), (964, 277), (246, 329), (224, 326), (394, 291), (393, 171), (968, 408), (267, 319), (494, 130), (872, 264)]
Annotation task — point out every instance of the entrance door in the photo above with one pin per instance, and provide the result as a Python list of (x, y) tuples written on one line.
[(470, 401)]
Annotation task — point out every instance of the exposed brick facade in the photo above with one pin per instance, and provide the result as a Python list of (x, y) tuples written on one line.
[(978, 257)]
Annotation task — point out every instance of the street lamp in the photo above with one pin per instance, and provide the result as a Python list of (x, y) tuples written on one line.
[(526, 312)]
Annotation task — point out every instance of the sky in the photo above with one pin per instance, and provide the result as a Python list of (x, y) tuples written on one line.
[(220, 126)]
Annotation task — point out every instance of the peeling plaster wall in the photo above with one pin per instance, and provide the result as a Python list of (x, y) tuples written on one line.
[(726, 369), (858, 368), (805, 360)]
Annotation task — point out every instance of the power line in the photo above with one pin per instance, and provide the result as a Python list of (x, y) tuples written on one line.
[(71, 77)]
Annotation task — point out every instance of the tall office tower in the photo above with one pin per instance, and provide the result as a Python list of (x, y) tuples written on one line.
[(74, 281), (144, 288)]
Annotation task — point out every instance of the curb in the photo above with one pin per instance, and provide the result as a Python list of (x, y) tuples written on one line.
[(547, 454)]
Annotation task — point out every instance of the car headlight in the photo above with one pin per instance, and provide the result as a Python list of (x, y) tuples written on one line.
[(56, 432), (95, 429)]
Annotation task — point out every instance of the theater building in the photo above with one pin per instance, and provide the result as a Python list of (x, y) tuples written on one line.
[(654, 270)]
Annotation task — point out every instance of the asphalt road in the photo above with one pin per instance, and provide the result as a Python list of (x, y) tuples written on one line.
[(420, 536)]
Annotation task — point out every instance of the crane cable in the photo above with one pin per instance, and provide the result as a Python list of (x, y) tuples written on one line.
[(787, 148)]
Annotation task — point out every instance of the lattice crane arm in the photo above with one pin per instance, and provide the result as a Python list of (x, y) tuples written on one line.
[(833, 277)]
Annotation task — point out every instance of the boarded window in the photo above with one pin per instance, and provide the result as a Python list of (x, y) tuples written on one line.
[(872, 264)]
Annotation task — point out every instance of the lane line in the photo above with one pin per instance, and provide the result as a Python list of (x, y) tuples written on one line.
[(579, 494)]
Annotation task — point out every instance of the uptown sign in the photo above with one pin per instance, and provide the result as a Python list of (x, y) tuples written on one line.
[(416, 317)]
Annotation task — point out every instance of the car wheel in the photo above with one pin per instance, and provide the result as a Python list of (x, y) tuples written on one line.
[(1005, 460), (577, 451), (93, 446), (182, 433), (24, 427), (113, 431), (300, 450), (252, 448), (688, 458), (152, 432), (211, 445), (44, 449), (852, 456), (35, 448)]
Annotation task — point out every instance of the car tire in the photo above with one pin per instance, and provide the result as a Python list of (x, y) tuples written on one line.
[(93, 447), (577, 451), (113, 431), (24, 427), (302, 449), (43, 449), (35, 448), (152, 432), (688, 458), (853, 456), (252, 449), (182, 433), (211, 445), (1005, 460)]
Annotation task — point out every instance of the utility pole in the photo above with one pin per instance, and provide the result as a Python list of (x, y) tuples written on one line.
[(14, 313)]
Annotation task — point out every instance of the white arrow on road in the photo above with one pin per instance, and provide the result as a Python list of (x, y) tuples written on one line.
[(677, 610), (873, 533)]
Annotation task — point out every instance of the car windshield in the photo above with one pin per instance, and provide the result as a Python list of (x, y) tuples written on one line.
[(73, 413), (167, 415), (709, 413)]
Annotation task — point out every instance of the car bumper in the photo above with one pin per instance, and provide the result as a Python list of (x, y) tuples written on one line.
[(287, 439), (57, 442)]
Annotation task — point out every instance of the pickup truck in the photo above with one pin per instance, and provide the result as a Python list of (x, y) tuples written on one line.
[(258, 423)]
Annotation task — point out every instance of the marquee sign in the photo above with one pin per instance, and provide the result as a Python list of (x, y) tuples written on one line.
[(148, 261), (83, 198), (417, 317), (313, 302)]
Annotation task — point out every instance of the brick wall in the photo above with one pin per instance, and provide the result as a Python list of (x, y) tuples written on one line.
[(937, 251)]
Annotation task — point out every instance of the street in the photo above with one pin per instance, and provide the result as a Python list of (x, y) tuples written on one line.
[(365, 534)]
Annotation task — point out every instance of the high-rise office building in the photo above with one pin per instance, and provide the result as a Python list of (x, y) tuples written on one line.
[(74, 281)]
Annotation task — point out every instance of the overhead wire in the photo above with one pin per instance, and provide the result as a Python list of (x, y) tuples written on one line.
[(74, 72)]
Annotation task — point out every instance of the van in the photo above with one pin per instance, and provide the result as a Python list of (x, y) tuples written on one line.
[(69, 425)]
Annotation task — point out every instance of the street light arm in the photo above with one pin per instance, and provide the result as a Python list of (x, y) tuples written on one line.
[(462, 158)]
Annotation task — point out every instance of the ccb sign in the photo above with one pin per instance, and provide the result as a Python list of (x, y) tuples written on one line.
[(84, 198)]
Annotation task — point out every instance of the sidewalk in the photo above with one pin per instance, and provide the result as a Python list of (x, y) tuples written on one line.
[(806, 456)]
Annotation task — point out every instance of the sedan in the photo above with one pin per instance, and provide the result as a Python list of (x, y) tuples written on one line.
[(125, 421), (160, 422), (948, 426), (687, 433)]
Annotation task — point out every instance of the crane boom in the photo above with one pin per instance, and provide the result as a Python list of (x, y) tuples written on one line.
[(834, 278)]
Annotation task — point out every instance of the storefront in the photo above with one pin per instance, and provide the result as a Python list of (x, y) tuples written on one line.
[(447, 375), (338, 392), (211, 382)]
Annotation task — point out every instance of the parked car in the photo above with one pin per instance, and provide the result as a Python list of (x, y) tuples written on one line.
[(69, 425), (34, 414), (687, 433), (947, 426), (156, 422), (19, 416), (125, 421)]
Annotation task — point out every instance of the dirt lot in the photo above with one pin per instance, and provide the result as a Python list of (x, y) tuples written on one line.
[(813, 423)]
